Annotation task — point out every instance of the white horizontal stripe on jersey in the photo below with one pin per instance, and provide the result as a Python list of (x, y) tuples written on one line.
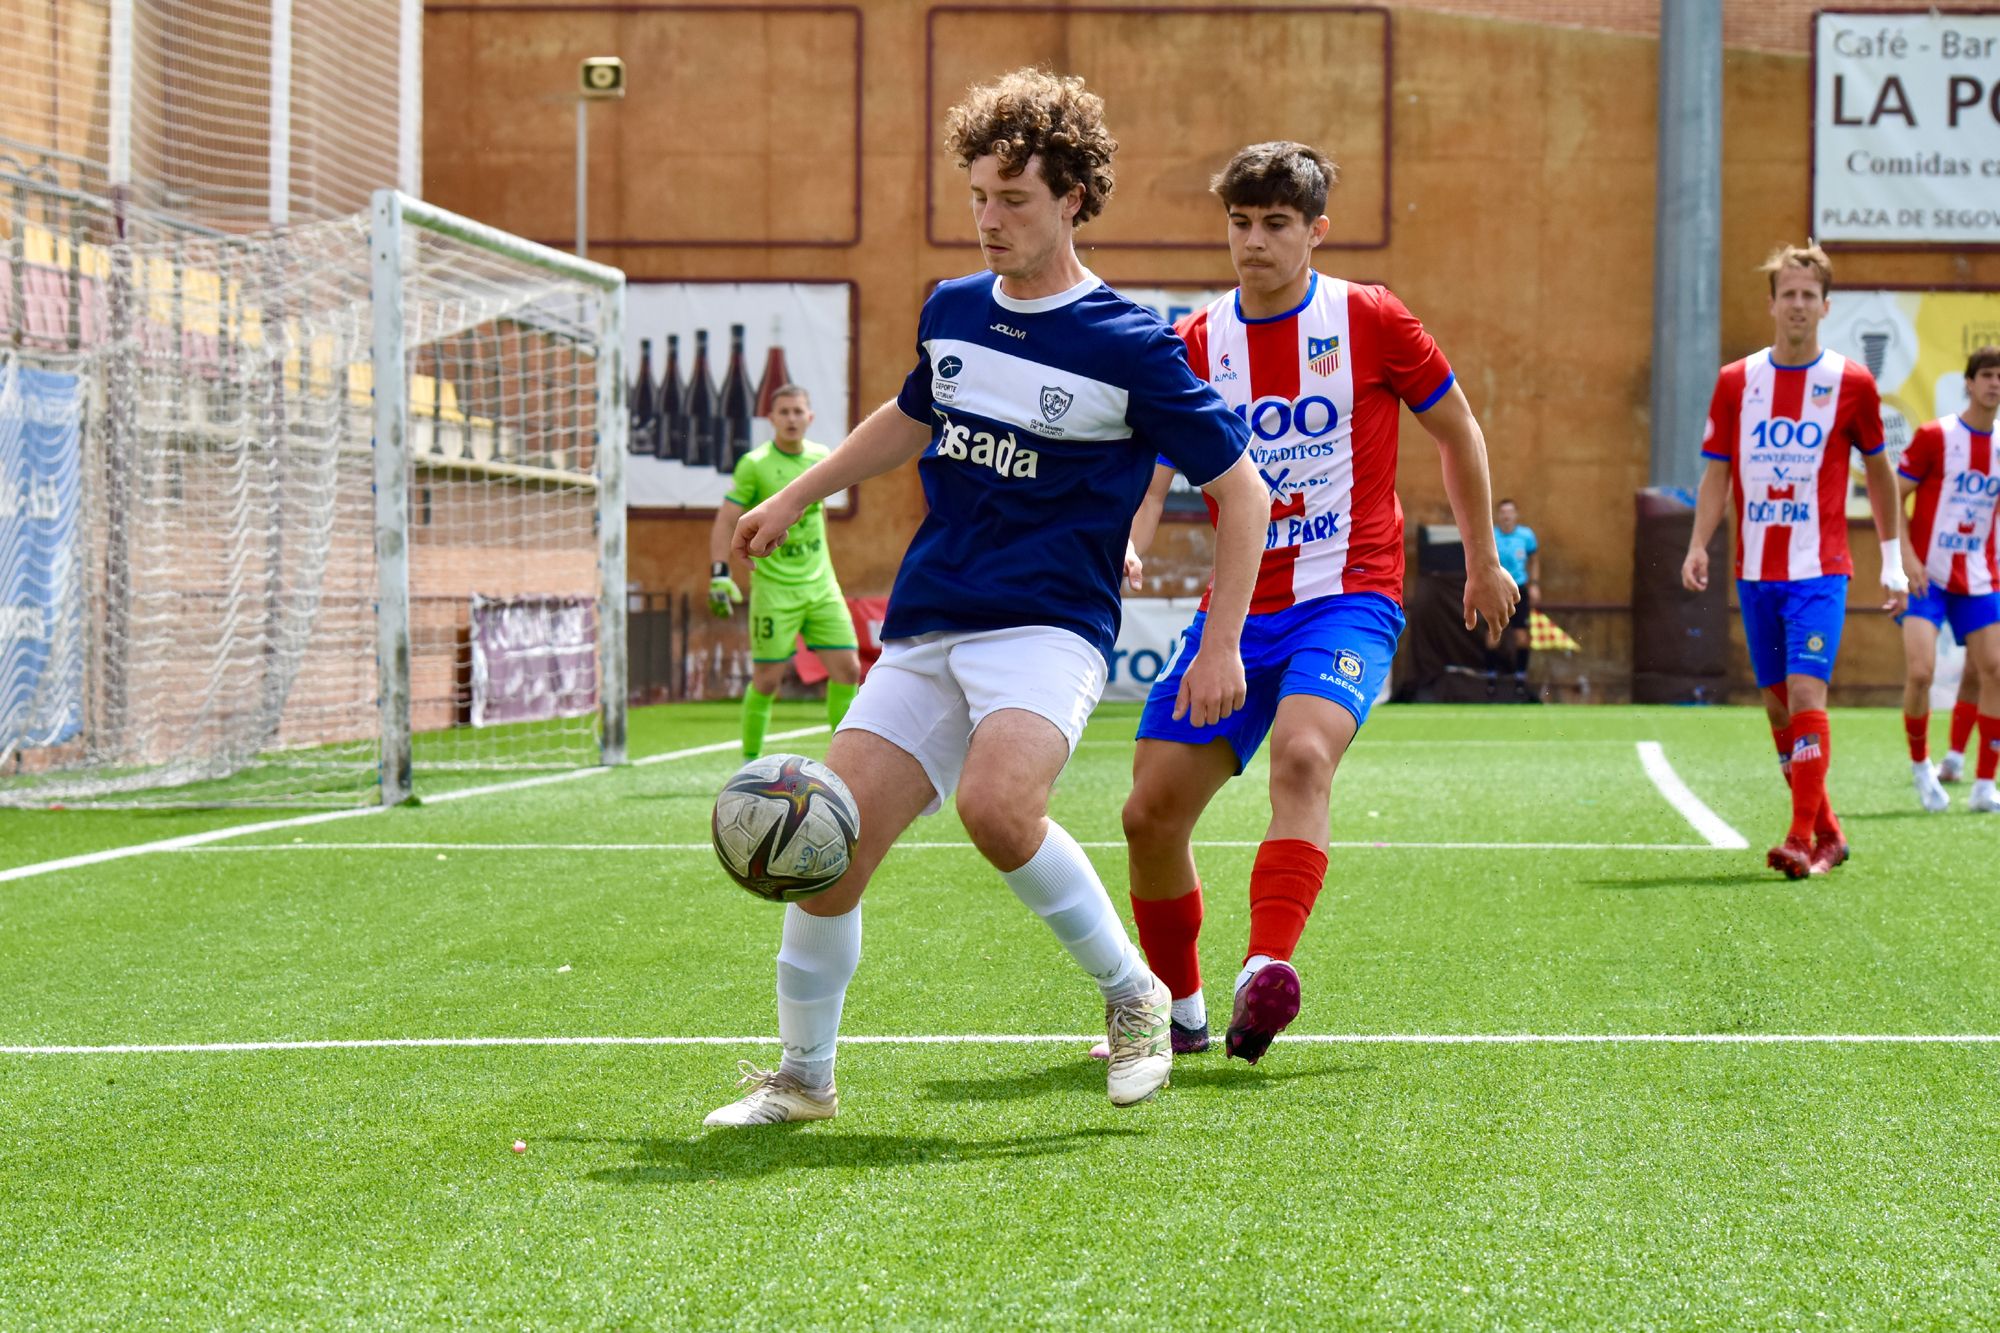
[(1044, 400)]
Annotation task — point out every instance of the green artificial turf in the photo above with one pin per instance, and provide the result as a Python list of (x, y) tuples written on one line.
[(991, 1184)]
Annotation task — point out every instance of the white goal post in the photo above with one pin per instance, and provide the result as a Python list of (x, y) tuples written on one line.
[(326, 515), (396, 221)]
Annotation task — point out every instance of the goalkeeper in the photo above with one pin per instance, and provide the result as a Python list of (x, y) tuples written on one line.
[(792, 590)]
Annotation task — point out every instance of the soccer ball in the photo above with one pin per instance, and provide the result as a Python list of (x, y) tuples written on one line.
[(784, 827)]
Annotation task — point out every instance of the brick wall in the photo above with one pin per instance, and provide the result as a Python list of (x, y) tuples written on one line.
[(1762, 25)]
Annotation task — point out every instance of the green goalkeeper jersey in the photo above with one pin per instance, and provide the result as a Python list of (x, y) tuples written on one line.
[(803, 561)]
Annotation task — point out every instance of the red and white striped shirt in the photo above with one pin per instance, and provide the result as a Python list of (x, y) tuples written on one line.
[(1319, 387), (1958, 492), (1785, 432)]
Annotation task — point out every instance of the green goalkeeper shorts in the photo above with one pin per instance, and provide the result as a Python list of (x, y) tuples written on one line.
[(778, 616)]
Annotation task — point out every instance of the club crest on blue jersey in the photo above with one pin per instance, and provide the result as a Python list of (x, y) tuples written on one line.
[(1055, 402), (1348, 664), (1323, 354)]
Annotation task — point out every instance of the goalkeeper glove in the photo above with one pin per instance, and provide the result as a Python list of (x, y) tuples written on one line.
[(722, 590)]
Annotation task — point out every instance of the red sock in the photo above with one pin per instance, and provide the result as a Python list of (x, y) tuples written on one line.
[(1168, 929), (1782, 738), (1917, 727), (1284, 881), (1963, 716), (1809, 756), (1826, 828), (1989, 748)]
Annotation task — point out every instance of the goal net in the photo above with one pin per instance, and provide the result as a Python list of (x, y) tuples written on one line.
[(308, 517)]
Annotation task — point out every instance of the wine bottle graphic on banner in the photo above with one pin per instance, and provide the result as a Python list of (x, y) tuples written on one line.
[(645, 436), (673, 419), (737, 402), (702, 420), (777, 374)]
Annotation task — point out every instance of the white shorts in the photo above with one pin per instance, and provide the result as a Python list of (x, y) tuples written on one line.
[(926, 694)]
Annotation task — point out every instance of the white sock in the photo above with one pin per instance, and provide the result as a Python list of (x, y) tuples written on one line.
[(1060, 886), (815, 963), (1191, 1012), (1982, 787), (1922, 767), (1250, 966)]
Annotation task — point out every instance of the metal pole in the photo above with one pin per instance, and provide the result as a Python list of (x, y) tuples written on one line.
[(582, 177), (280, 204), (613, 424), (392, 497), (120, 128), (410, 98), (1687, 236)]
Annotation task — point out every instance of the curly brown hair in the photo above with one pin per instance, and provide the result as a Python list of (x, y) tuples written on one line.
[(1033, 112)]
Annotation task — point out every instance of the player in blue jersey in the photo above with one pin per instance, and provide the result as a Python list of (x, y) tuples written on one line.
[(1038, 403)]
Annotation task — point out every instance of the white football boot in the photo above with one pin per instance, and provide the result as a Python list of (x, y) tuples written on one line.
[(773, 1099), (1953, 767), (1984, 800), (1934, 797), (1141, 1048)]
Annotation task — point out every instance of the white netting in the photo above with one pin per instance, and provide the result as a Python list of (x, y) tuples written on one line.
[(211, 80), (213, 637)]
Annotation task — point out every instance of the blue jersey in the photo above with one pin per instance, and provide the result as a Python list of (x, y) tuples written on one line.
[(1515, 547), (1045, 416)]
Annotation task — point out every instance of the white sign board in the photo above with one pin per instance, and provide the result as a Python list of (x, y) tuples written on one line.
[(795, 331), (1906, 128)]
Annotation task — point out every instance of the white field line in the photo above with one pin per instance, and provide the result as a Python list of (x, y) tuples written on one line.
[(191, 841), (1060, 1038), (1391, 743), (1653, 758), (449, 847)]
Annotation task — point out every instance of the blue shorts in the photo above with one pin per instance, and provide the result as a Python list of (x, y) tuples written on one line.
[(1336, 648), (1968, 612), (1793, 627)]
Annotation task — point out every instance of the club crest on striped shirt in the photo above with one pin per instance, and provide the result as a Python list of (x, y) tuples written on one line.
[(1055, 401), (1323, 354), (1820, 392)]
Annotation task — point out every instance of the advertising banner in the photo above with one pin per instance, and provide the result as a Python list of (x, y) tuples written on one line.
[(1915, 344), (706, 358), (1906, 128), (533, 658), (1148, 637), (41, 640)]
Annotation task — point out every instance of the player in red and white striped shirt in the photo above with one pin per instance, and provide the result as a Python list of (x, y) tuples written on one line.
[(1780, 430), (1954, 558), (1320, 369)]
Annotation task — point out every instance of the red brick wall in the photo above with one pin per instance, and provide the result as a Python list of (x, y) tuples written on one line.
[(1763, 25)]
